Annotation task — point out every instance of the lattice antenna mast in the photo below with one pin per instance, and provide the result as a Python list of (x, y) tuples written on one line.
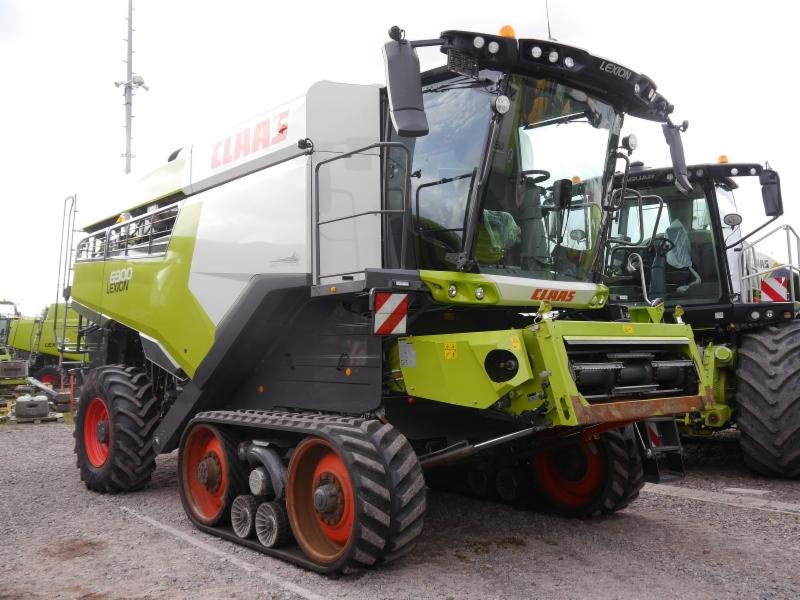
[(131, 81)]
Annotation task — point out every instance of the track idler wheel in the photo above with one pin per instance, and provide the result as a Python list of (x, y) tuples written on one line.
[(210, 474)]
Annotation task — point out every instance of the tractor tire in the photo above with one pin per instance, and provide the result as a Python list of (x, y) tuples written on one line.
[(586, 479), (117, 416), (768, 400), (49, 375)]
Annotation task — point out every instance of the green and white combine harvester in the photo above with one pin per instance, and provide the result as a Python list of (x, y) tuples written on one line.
[(44, 343), (686, 248), (371, 282)]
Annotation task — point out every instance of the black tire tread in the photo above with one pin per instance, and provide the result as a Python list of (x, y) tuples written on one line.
[(408, 500), (768, 399), (133, 417), (386, 476), (624, 476)]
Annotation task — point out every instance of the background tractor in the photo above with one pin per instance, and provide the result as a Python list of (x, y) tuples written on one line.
[(368, 282), (687, 249)]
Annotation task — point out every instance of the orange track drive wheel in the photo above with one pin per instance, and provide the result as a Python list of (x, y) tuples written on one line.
[(208, 473), (320, 500)]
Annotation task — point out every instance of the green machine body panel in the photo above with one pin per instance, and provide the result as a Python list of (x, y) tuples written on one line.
[(534, 369), (151, 295), (23, 332)]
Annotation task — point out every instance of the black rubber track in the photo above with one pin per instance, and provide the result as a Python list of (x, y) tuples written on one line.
[(134, 414), (624, 477), (407, 488), (387, 480), (768, 399)]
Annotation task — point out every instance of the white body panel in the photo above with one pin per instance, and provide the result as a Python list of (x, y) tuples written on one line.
[(519, 291), (256, 217)]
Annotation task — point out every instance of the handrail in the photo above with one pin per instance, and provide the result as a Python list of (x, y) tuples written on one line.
[(749, 271), (405, 210), (68, 213), (638, 199), (129, 236)]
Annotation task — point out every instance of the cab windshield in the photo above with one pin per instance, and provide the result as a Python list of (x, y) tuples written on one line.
[(547, 172), (541, 214)]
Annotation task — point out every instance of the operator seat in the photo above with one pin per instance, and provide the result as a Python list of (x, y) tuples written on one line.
[(679, 257)]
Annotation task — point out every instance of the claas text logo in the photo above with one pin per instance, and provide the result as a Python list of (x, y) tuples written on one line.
[(553, 295)]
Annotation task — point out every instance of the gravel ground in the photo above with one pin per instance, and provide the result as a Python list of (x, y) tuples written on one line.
[(61, 541)]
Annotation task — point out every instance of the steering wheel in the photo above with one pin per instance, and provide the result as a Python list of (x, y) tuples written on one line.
[(662, 244), (541, 175)]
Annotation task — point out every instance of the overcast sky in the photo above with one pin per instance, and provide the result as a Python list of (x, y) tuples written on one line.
[(730, 68)]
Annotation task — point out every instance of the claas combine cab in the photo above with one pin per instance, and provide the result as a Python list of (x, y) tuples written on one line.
[(369, 282), (686, 247)]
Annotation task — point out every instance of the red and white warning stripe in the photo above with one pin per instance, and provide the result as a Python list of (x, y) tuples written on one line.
[(774, 289), (390, 313), (654, 434)]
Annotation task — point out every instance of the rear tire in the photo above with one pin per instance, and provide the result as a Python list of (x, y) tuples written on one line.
[(584, 479), (768, 400), (117, 416), (49, 375)]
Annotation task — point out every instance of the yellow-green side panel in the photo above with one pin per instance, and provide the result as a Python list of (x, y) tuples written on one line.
[(155, 300)]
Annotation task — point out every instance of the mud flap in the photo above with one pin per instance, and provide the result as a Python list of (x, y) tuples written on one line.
[(661, 450)]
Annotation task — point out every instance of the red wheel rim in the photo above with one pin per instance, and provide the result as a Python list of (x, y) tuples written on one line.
[(322, 530), (49, 379), (205, 474), (97, 432), (572, 475)]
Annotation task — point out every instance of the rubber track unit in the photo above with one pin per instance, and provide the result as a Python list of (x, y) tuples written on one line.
[(391, 500), (768, 399), (625, 480), (134, 414)]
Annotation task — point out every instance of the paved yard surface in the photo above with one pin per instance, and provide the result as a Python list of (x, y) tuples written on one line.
[(720, 533)]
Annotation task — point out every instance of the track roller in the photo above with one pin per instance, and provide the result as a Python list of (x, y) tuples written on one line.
[(272, 525), (354, 491), (509, 484), (243, 515)]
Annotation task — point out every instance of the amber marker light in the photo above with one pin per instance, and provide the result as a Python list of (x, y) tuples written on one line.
[(507, 31)]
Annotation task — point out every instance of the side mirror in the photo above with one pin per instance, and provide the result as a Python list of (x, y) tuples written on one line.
[(404, 87), (771, 192), (672, 133), (732, 220)]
